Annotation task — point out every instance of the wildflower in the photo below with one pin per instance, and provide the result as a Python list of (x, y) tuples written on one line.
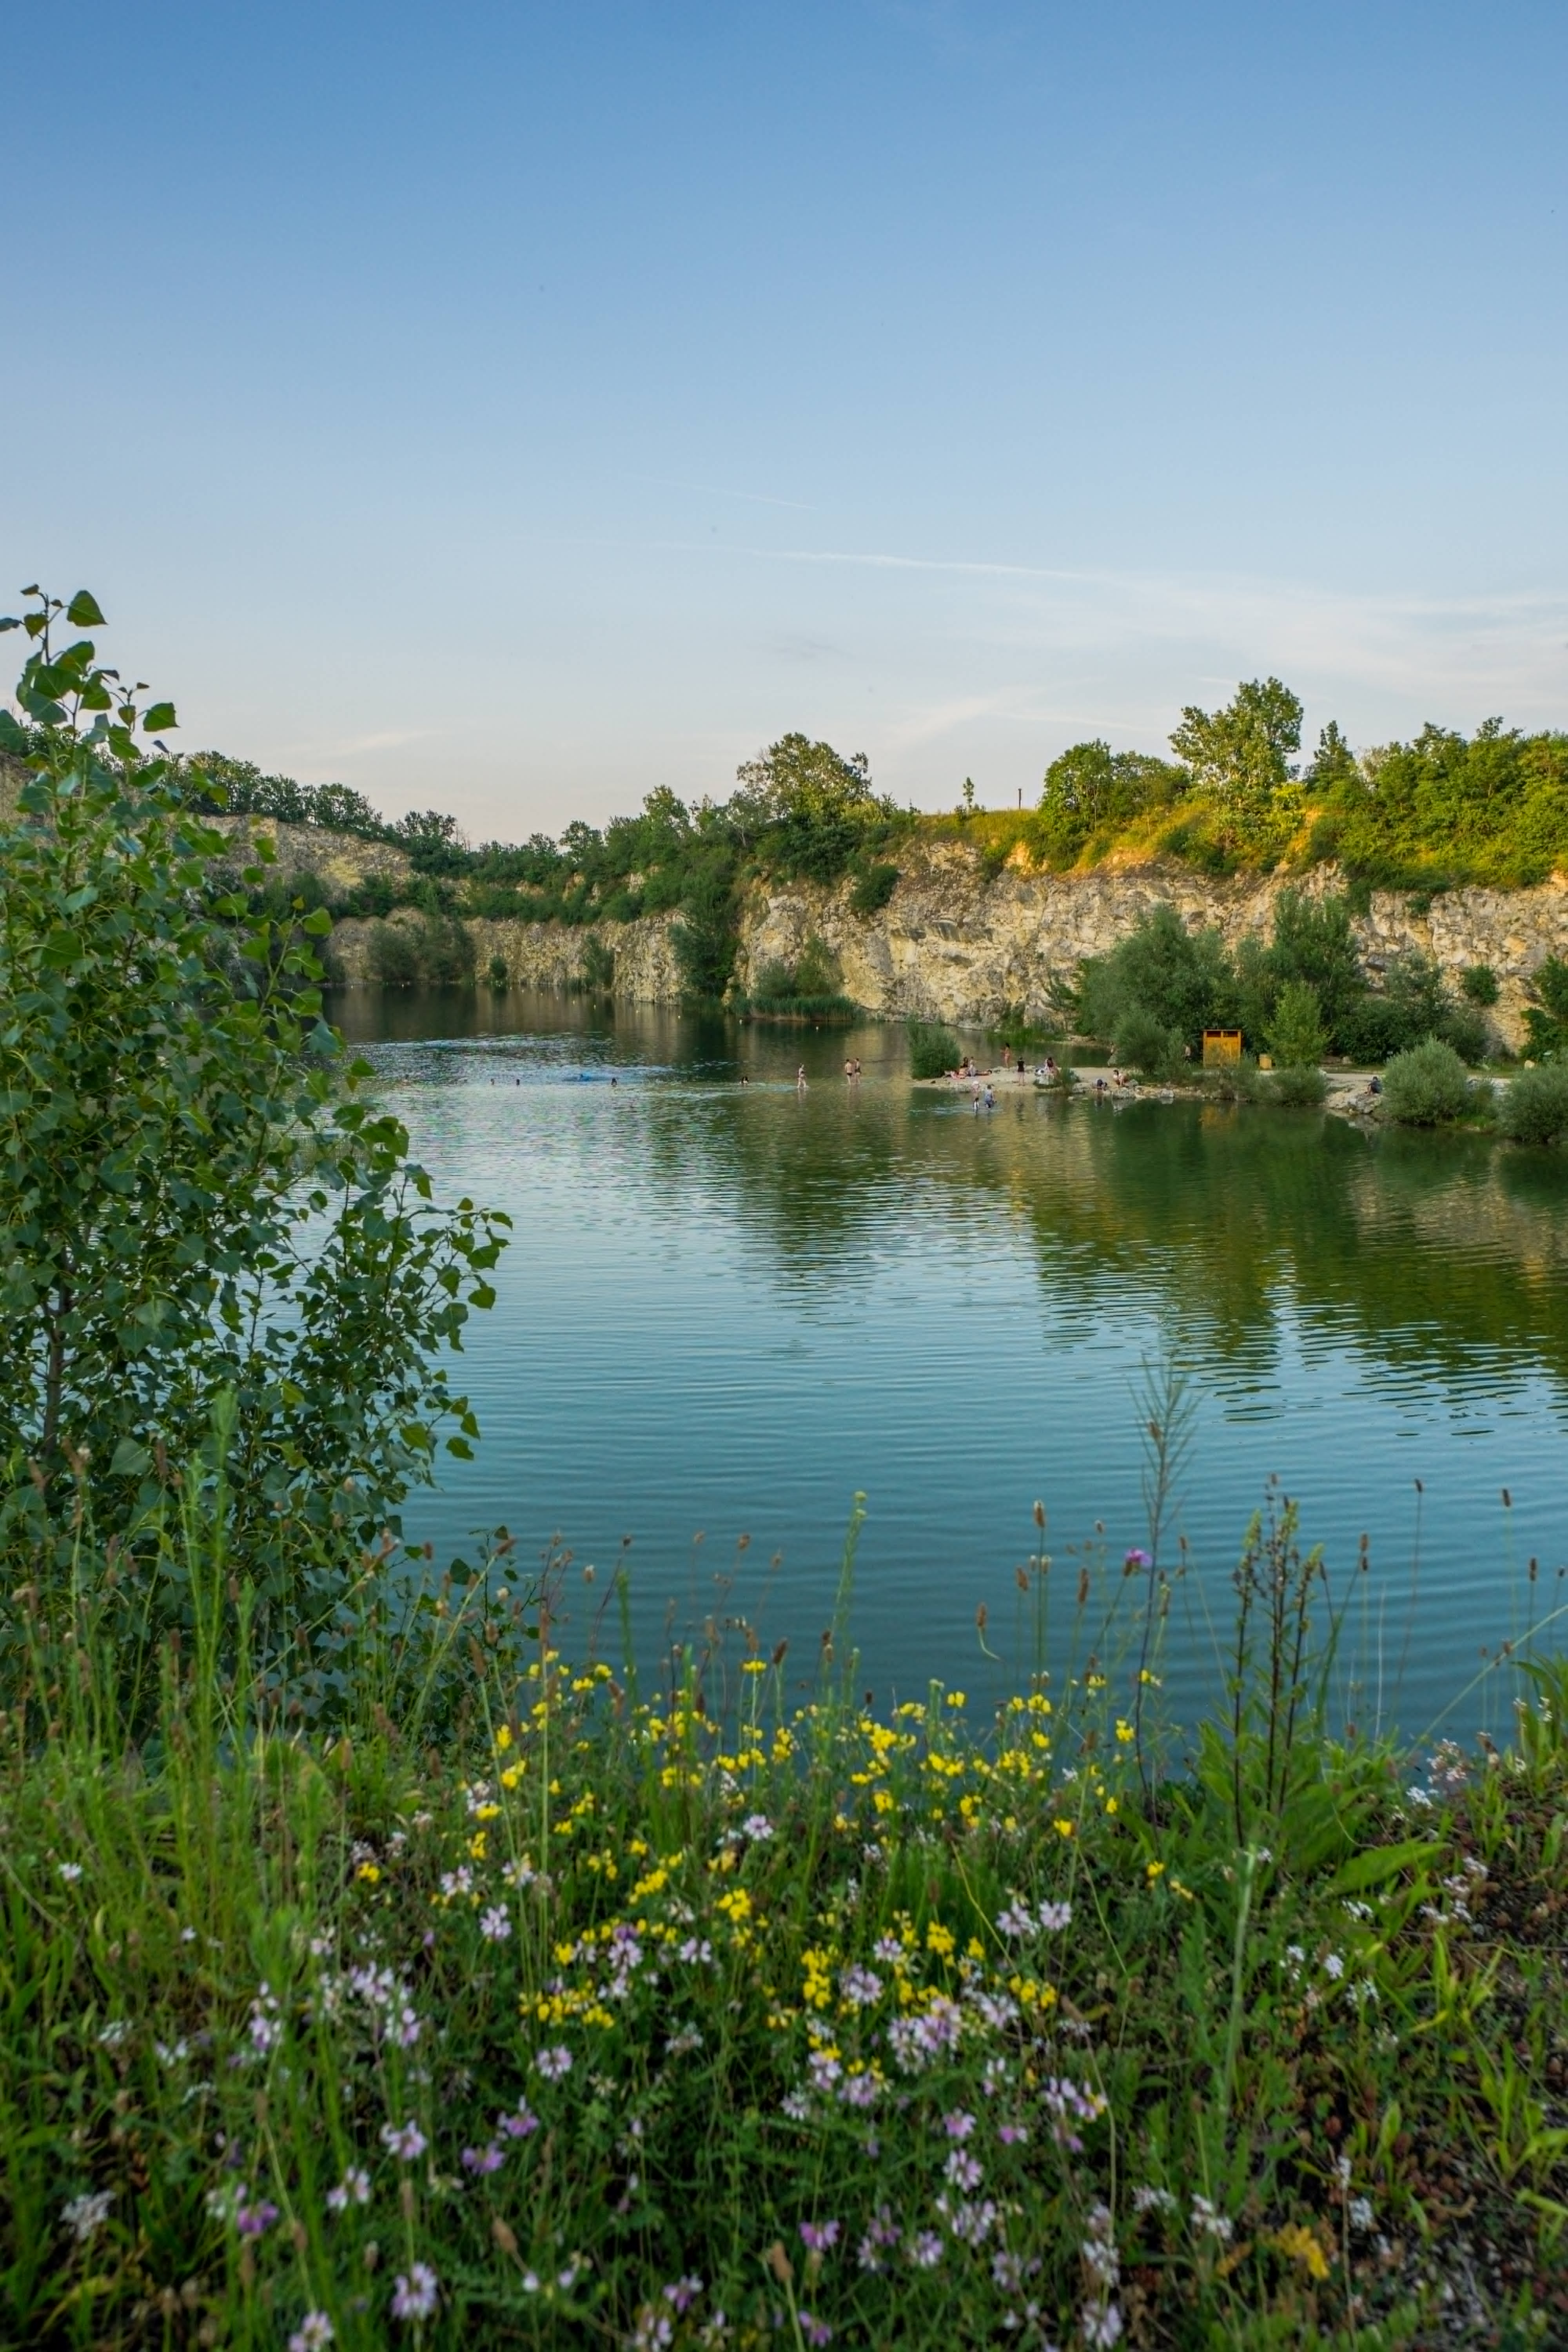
[(653, 2330), (861, 2090), (682, 2044), (795, 2105), (1152, 2201), (114, 2033), (962, 2169), (555, 2063), (70, 1872), (482, 2161), (1013, 2135), (1100, 2325), (1361, 2212), (696, 1952), (683, 2293), (860, 1987), (1055, 1916), (85, 2214), (495, 1924), (254, 2221), (313, 2333), (518, 2126), (889, 1950), (924, 2250), (958, 2124), (1334, 1966), (815, 2331), (518, 1873), (1301, 2246), (819, 2237), (1210, 2222), (758, 1828), (413, 2296), (407, 2142), (1062, 1828), (1014, 1920), (354, 2188)]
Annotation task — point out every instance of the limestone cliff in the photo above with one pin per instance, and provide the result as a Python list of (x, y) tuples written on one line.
[(953, 945)]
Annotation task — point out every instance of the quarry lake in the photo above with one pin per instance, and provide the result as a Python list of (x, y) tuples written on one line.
[(730, 1307)]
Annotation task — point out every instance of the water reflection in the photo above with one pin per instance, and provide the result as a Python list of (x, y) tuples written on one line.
[(731, 1305)]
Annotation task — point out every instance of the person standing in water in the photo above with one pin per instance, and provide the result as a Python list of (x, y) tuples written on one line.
[(800, 1080)]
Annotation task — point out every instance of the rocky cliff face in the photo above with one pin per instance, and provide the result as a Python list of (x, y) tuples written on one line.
[(953, 945)]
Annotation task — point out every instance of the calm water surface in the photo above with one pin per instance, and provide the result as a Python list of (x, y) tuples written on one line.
[(730, 1308)]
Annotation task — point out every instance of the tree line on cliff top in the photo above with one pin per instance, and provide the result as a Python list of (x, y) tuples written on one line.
[(1421, 816), (1440, 809)]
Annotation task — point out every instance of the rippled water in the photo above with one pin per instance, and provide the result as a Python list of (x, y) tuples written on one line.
[(729, 1307)]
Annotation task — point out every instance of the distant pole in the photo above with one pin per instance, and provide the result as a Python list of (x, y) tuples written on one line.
[(1020, 796)]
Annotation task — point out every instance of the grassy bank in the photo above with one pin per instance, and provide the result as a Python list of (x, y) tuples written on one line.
[(582, 2013)]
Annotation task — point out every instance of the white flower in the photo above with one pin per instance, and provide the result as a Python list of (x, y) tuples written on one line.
[(495, 1924), (757, 1827), (406, 2141), (354, 2188), (314, 2332), (1211, 2221), (83, 2215), (553, 2064), (70, 1872)]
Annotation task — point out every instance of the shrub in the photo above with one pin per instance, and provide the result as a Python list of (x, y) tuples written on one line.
[(1466, 1030), (873, 887), (933, 1049), (1479, 984), (1183, 979), (1300, 1087), (394, 955), (496, 974), (1534, 1109), (184, 1134), (1427, 1086), (1296, 1035), (1145, 1044)]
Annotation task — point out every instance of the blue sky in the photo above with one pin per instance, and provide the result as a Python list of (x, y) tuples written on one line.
[(512, 408)]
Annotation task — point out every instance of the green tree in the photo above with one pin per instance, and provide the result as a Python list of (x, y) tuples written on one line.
[(1333, 762), (1296, 1038), (204, 1221), (1181, 980), (1089, 786), (1240, 756)]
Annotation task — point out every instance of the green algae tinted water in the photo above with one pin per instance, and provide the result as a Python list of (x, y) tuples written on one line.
[(729, 1307)]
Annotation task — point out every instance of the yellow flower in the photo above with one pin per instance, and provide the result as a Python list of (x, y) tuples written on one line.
[(755, 1666), (1153, 1869), (1124, 1731), (1302, 2247), (941, 1940), (368, 1872), (883, 1800), (1063, 1828), (955, 1698), (503, 1739), (476, 1846)]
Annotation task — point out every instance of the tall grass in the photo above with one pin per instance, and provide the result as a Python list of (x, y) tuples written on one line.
[(517, 2006)]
